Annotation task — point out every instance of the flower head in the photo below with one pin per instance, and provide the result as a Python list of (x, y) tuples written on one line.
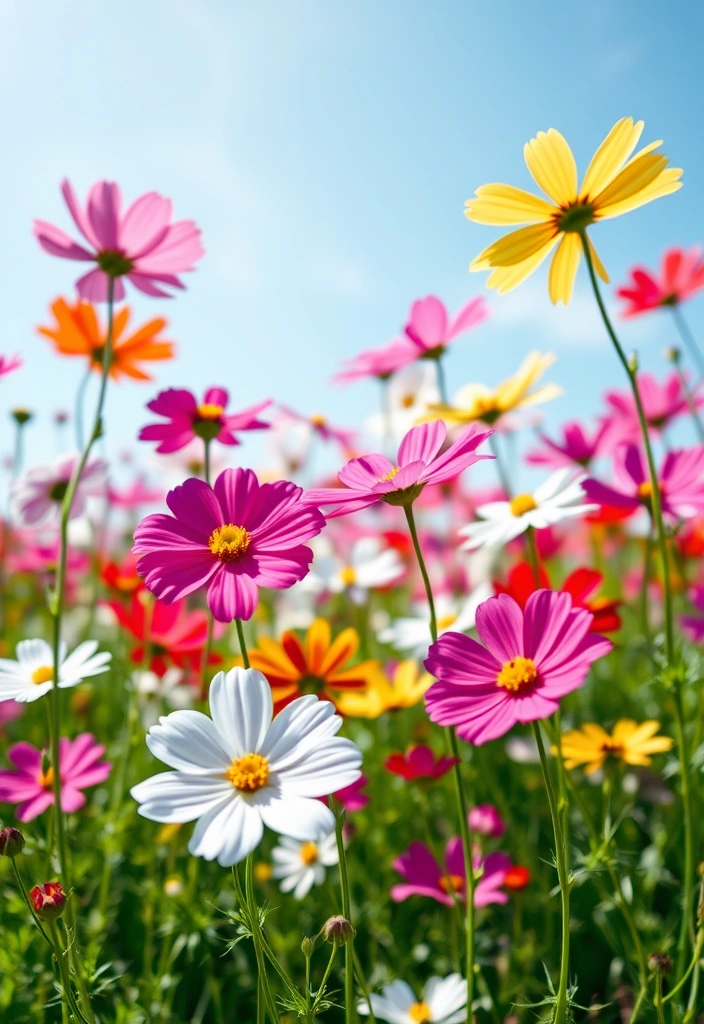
[(631, 743), (681, 276), (530, 659), (8, 364), (239, 770), (11, 842), (662, 403), (486, 821), (379, 363), (403, 688), (37, 495), (580, 585), (368, 566), (411, 633), (319, 426), (423, 876), (186, 419), (31, 785), (48, 900), (420, 763), (171, 633), (431, 329), (301, 864), (443, 1002), (615, 183), (142, 244), (232, 539), (681, 480), (32, 674), (577, 447)]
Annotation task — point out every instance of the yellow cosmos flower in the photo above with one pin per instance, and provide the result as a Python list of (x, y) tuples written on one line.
[(477, 402), (615, 183), (383, 694), (631, 743)]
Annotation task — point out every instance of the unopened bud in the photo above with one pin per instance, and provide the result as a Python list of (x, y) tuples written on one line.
[(48, 900), (338, 930), (307, 947), (672, 353), (21, 416), (11, 842), (660, 963), (633, 362)]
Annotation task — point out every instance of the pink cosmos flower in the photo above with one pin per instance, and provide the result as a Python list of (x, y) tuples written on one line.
[(186, 419), (232, 538), (431, 330), (662, 403), (693, 625), (9, 711), (681, 480), (37, 495), (419, 763), (681, 276), (31, 785), (136, 494), (423, 876), (377, 363), (529, 660), (374, 478), (9, 363), (141, 244), (351, 797), (576, 448), (320, 426), (485, 820)]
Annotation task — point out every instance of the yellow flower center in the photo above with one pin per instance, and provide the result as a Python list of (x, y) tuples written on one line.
[(249, 773), (348, 575), (229, 542), (43, 674), (575, 217), (452, 883), (46, 779), (408, 401), (517, 674), (390, 475), (309, 854), (611, 746), (645, 490), (522, 503), (210, 411), (318, 420), (420, 1013), (263, 871), (445, 621)]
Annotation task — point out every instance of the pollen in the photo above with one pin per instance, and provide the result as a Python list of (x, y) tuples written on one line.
[(309, 854), (408, 401), (43, 674), (445, 621), (46, 779), (209, 411), (390, 475), (348, 575), (229, 542), (318, 421), (420, 1013), (452, 883), (249, 773), (517, 674), (645, 490), (522, 503)]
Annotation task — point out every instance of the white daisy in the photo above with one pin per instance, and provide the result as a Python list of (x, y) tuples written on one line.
[(443, 1002), (412, 633), (370, 565), (408, 396), (560, 497), (32, 674), (153, 690), (302, 865), (239, 770)]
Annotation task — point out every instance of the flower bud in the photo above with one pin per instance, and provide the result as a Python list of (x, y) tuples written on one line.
[(338, 930), (11, 842), (307, 947), (21, 416), (672, 354), (660, 963), (48, 900)]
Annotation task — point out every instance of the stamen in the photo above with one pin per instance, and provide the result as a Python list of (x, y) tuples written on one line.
[(309, 854), (517, 674), (43, 674), (390, 475), (229, 542), (249, 773), (522, 503)]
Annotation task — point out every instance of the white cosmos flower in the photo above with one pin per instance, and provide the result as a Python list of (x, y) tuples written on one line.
[(31, 675), (412, 633), (560, 497), (239, 770), (370, 565), (152, 690), (302, 865), (408, 396), (443, 1002)]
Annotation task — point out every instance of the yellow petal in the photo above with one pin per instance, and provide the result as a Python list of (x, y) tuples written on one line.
[(540, 396), (611, 155), (667, 182), (636, 176), (563, 268), (504, 204), (513, 388), (515, 247), (552, 165), (505, 279)]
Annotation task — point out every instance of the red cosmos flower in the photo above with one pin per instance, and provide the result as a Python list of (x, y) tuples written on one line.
[(48, 900), (419, 763), (175, 636), (681, 276), (517, 877), (122, 577), (579, 585)]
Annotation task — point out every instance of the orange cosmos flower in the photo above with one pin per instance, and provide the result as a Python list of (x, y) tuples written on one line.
[(77, 332)]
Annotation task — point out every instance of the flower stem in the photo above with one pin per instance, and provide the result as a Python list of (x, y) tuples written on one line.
[(80, 398), (350, 1011), (243, 643), (257, 940), (533, 556), (408, 509), (690, 342), (442, 383), (206, 461), (689, 396)]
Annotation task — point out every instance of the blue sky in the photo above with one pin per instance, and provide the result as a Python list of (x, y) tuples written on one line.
[(326, 149)]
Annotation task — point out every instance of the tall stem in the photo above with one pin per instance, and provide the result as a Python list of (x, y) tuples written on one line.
[(690, 342), (408, 509), (80, 398), (350, 1011), (243, 643), (257, 940), (690, 396), (442, 384)]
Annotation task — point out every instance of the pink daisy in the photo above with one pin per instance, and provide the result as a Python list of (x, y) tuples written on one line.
[(431, 329), (31, 785), (577, 447), (141, 244), (9, 363), (186, 419), (530, 659), (662, 403), (232, 538), (374, 478), (681, 480), (37, 495), (419, 763), (423, 876)]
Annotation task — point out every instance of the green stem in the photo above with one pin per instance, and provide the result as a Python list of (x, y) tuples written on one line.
[(243, 644), (80, 397), (533, 556), (408, 509), (442, 383), (500, 467), (362, 982), (646, 583), (206, 461), (350, 1010), (690, 342), (25, 897), (692, 964), (689, 396), (257, 940), (658, 1000), (321, 988)]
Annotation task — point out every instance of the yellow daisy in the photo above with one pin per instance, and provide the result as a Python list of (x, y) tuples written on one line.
[(477, 402), (383, 694), (631, 743), (615, 183)]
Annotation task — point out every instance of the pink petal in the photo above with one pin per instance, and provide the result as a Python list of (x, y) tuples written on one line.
[(422, 443), (500, 627), (104, 214), (145, 224), (58, 243), (427, 325), (93, 286), (176, 252), (79, 217), (195, 504), (474, 313), (36, 806), (26, 758), (71, 799), (232, 595)]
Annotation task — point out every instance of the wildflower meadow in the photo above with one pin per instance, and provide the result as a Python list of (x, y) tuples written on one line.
[(397, 720)]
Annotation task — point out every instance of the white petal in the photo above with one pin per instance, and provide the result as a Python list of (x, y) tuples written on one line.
[(228, 832), (305, 883), (445, 996), (242, 709), (292, 815), (302, 724), (323, 769), (177, 797), (188, 741)]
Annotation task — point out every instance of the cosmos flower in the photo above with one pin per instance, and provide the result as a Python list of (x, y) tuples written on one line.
[(232, 539), (9, 363), (31, 783), (577, 447), (420, 763), (301, 865), (121, 577), (530, 659), (382, 693), (681, 276), (681, 480), (443, 1002), (379, 363), (558, 498), (32, 674), (155, 691), (135, 495), (320, 426), (615, 183), (580, 585), (239, 770), (186, 419), (431, 329), (351, 797), (141, 244), (662, 403), (370, 566), (77, 332), (36, 496), (423, 876), (411, 633), (591, 745), (485, 820), (408, 396), (374, 478), (320, 665)]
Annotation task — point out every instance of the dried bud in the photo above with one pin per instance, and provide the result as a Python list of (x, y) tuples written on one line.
[(11, 842), (307, 947), (660, 963), (48, 900), (338, 930)]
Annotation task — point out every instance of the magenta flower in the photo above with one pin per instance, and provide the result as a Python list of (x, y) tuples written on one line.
[(485, 820), (681, 276), (36, 496), (662, 403), (419, 763), (374, 478), (377, 363), (351, 797), (693, 625), (431, 330), (423, 876), (576, 448), (31, 785), (186, 419), (530, 659), (141, 244), (681, 480), (9, 363), (232, 538)]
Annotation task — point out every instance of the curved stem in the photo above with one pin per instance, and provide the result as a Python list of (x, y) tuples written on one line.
[(80, 398), (408, 509), (243, 643), (690, 342)]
